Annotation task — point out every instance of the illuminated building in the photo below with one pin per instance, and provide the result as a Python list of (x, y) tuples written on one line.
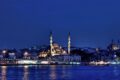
[(43, 54), (12, 55), (4, 53), (56, 49), (114, 46), (26, 55)]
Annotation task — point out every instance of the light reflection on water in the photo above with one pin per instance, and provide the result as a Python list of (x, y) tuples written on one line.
[(3, 73), (52, 72), (60, 72), (26, 73)]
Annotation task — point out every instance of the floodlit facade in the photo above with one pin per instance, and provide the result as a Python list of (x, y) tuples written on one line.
[(56, 49)]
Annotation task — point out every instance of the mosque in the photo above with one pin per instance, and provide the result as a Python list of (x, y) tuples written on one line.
[(56, 49)]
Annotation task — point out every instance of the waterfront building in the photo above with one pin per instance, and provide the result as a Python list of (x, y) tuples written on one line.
[(56, 49), (66, 58), (43, 54), (114, 50), (12, 55), (26, 55), (75, 58), (4, 53), (113, 46)]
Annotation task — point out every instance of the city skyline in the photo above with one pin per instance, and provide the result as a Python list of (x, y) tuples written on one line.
[(27, 23), (68, 43)]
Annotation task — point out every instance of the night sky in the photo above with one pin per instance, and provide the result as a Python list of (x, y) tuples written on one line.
[(92, 23)]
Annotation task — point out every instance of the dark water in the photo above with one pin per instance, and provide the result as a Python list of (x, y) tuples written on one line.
[(60, 72)]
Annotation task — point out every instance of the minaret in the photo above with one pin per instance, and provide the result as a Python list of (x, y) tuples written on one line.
[(69, 43), (51, 43)]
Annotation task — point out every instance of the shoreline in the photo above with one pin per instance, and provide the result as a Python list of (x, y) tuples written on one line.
[(18, 62)]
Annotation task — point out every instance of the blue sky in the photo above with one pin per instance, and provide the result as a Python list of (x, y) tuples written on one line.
[(92, 23)]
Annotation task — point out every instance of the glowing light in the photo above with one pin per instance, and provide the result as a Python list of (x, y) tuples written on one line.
[(44, 62), (99, 63), (4, 51), (12, 54), (26, 53), (27, 62), (25, 66)]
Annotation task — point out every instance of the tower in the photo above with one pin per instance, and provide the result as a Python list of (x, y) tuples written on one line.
[(51, 43), (69, 43)]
